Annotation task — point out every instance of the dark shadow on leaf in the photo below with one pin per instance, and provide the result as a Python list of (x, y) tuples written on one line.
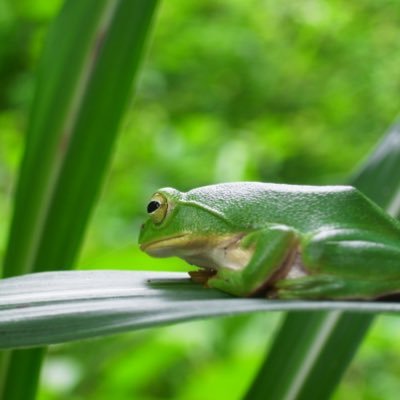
[(178, 289)]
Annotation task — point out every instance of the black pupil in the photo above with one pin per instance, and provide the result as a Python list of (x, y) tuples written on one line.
[(152, 206)]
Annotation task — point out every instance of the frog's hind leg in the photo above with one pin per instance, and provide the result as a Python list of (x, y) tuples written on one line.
[(345, 264), (331, 287)]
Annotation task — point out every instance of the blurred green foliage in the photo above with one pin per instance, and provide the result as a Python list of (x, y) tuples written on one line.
[(292, 92)]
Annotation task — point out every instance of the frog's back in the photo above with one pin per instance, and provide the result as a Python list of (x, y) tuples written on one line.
[(306, 208)]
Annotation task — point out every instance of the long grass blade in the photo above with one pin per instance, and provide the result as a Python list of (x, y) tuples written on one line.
[(83, 88), (85, 81)]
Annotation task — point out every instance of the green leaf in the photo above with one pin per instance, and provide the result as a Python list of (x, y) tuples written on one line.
[(84, 84), (85, 81), (54, 307), (311, 364)]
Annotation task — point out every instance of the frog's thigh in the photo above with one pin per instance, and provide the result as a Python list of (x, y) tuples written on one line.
[(352, 254), (272, 249)]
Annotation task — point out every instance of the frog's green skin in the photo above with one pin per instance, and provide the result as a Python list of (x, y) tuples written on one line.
[(285, 241)]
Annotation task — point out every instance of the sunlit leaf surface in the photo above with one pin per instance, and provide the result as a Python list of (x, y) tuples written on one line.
[(54, 307)]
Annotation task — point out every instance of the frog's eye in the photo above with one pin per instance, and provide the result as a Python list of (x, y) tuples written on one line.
[(153, 206), (157, 208)]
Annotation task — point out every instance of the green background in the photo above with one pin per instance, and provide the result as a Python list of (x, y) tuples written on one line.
[(294, 92)]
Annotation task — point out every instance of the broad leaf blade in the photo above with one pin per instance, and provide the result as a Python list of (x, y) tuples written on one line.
[(315, 334), (62, 75), (313, 368), (85, 81), (74, 124), (54, 307)]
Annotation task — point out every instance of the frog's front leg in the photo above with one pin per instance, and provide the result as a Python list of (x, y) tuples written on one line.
[(345, 264), (272, 250)]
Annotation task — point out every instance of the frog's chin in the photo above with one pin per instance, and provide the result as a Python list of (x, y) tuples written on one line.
[(211, 252)]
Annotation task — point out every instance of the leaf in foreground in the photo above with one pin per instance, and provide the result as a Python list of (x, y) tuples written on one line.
[(54, 307)]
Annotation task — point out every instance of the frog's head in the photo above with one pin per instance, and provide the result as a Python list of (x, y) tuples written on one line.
[(180, 225)]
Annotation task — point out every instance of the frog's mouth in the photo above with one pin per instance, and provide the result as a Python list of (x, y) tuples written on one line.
[(166, 247), (210, 252)]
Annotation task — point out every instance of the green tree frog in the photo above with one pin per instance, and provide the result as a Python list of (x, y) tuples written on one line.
[(282, 241)]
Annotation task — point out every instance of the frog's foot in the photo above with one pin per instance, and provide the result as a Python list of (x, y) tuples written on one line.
[(202, 275), (310, 287)]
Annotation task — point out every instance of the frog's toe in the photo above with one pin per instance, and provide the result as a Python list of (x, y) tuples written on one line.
[(202, 276)]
